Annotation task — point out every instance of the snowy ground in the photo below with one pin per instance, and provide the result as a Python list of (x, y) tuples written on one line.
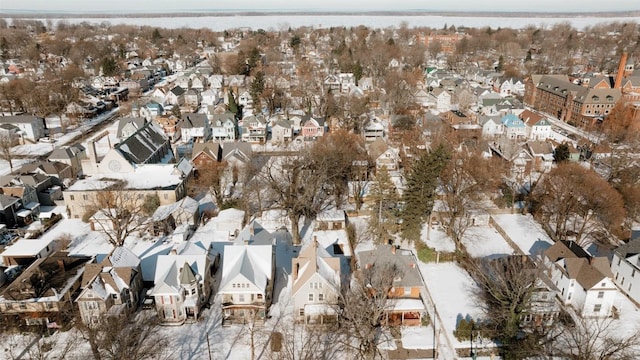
[(485, 241), (437, 239), (525, 232), (417, 337), (41, 148), (452, 291)]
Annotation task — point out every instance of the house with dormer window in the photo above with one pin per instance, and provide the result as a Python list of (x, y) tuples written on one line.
[(626, 268), (316, 284), (582, 281), (246, 287)]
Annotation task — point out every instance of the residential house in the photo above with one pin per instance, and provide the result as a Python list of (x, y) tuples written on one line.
[(404, 304), (281, 131), (542, 153), (70, 155), (223, 127), (31, 127), (199, 82), (182, 282), (492, 126), (625, 266), (195, 128), (442, 99), (245, 100), (253, 129), (111, 287), (25, 252), (316, 284), (383, 156), (59, 171), (514, 128), (538, 127), (175, 96), (373, 130), (170, 125), (247, 282), (127, 126), (183, 212), (9, 207), (510, 87), (192, 98), (209, 97), (331, 220), (206, 154), (150, 111), (42, 295), (582, 281), (312, 128)]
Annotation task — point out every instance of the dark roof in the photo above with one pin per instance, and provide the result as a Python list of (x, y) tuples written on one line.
[(565, 249), (177, 91), (139, 147), (66, 153), (403, 259), (193, 121), (6, 200), (629, 249), (240, 150)]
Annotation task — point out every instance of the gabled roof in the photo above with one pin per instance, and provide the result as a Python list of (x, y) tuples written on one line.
[(512, 121), (254, 262), (193, 121), (403, 259), (565, 249), (136, 122), (315, 260), (177, 91), (211, 149), (240, 150), (6, 201), (254, 234), (140, 146), (19, 119), (629, 249)]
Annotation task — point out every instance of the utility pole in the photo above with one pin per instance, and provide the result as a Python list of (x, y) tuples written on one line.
[(208, 346)]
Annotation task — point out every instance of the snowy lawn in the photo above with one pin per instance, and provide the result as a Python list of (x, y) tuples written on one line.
[(417, 337), (485, 241), (437, 239), (525, 232), (452, 291)]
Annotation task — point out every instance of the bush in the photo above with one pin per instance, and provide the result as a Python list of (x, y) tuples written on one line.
[(425, 253), (463, 329)]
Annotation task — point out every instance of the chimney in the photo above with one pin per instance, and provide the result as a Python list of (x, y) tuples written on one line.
[(393, 249), (620, 74), (93, 156)]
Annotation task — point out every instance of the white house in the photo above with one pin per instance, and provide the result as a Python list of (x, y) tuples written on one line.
[(582, 281), (625, 266), (442, 99), (491, 126), (247, 282), (31, 127), (182, 283), (196, 127), (316, 284), (281, 131), (538, 127)]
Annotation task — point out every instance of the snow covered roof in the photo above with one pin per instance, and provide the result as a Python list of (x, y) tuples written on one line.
[(27, 247), (169, 268), (148, 176), (254, 262)]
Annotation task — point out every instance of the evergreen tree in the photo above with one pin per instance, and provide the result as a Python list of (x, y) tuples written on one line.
[(233, 106), (420, 193), (256, 89), (561, 153), (109, 66), (384, 197)]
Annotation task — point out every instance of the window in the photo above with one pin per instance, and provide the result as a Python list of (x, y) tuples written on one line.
[(241, 297), (166, 196), (600, 294), (114, 296), (597, 308), (310, 297), (85, 197), (23, 306), (569, 297), (193, 291), (71, 197), (603, 284), (320, 297), (259, 296), (301, 311)]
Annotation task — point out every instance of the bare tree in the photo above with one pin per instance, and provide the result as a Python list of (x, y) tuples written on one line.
[(117, 338), (118, 212), (506, 288), (597, 339), (211, 179), (574, 200), (384, 196), (464, 181), (363, 309), (6, 149)]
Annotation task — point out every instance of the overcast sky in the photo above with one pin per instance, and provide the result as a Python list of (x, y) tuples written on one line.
[(337, 5)]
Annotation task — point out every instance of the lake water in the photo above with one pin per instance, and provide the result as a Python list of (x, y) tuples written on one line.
[(283, 22)]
